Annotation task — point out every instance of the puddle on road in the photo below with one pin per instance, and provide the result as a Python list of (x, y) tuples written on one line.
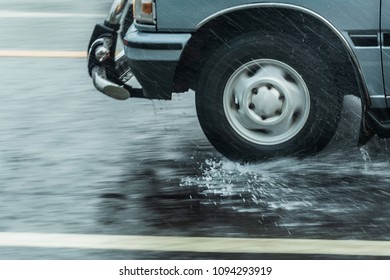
[(342, 189), (342, 192), (334, 195)]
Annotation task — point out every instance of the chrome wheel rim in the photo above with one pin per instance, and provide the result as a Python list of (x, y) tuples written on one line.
[(266, 102)]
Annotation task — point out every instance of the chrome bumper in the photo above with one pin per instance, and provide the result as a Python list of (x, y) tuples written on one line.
[(110, 72), (118, 8), (107, 87)]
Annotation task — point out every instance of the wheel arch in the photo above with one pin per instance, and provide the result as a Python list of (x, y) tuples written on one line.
[(217, 29)]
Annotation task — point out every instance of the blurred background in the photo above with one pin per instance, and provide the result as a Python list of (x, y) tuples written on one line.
[(73, 161)]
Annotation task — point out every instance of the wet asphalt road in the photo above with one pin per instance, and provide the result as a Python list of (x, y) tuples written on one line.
[(75, 161)]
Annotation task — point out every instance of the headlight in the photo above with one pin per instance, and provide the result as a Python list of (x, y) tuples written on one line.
[(144, 11)]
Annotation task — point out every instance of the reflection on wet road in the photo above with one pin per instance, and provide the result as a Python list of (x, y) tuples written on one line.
[(74, 161)]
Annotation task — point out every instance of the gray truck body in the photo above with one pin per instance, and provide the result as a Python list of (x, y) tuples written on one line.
[(177, 20), (168, 54)]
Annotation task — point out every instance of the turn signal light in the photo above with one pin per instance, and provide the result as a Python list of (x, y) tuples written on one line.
[(147, 8), (144, 11)]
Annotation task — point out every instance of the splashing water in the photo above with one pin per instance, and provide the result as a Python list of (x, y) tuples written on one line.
[(289, 183), (333, 181)]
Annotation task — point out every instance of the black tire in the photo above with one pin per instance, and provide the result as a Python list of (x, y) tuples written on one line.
[(311, 128)]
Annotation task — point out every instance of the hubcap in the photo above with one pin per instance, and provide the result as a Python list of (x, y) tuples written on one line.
[(266, 102)]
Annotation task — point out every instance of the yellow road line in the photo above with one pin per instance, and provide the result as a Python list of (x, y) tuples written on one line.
[(43, 15), (196, 244), (43, 54)]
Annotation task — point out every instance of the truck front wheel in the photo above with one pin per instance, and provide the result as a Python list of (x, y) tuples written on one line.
[(265, 95)]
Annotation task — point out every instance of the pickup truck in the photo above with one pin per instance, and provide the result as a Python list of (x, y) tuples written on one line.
[(269, 75)]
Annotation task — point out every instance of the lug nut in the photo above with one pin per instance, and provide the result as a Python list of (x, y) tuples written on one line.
[(252, 106), (255, 91)]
